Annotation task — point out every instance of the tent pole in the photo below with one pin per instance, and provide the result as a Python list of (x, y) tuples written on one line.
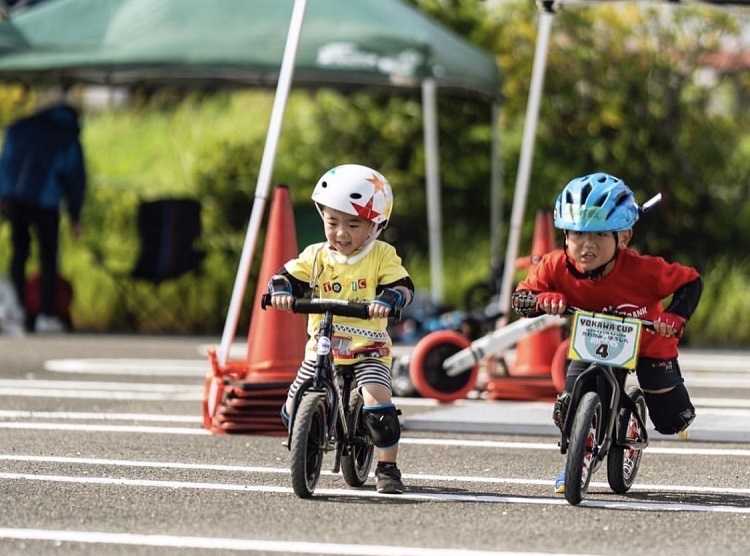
[(496, 192), (527, 151), (264, 179), (432, 174)]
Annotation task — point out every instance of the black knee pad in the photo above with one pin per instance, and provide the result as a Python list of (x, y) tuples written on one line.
[(670, 412), (383, 425)]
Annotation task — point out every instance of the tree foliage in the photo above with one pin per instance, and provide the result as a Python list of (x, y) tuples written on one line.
[(622, 94)]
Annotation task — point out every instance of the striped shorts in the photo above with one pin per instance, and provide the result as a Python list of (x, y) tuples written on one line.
[(366, 371)]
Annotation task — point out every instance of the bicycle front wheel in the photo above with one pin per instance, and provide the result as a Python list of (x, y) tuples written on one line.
[(582, 447), (309, 440), (623, 462), (358, 454)]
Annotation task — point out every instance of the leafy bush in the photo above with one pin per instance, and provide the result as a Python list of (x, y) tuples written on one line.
[(721, 318)]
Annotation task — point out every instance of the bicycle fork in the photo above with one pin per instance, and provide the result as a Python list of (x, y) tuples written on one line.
[(610, 389), (321, 383)]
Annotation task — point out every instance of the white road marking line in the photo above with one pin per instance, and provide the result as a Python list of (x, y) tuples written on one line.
[(95, 385), (553, 446), (696, 373), (194, 392), (104, 428), (145, 367), (245, 545), (405, 440), (409, 476), (720, 402), (101, 395), (101, 390), (417, 496), (73, 415)]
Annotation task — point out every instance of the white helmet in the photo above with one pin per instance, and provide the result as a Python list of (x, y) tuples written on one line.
[(356, 190)]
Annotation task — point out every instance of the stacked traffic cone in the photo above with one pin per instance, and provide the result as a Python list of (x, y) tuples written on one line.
[(529, 378), (246, 396)]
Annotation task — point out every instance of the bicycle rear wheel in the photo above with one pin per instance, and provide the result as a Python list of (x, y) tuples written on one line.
[(623, 462), (358, 454), (309, 440), (579, 466)]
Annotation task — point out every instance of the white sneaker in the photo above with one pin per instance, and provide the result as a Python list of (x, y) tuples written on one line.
[(48, 324)]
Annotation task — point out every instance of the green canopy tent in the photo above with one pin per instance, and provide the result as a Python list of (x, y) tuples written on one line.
[(339, 43), (236, 42)]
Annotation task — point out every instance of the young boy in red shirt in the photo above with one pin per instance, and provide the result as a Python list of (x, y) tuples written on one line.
[(596, 271)]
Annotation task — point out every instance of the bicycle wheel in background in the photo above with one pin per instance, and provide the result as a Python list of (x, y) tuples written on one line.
[(358, 454), (579, 465), (309, 440), (623, 462), (426, 367)]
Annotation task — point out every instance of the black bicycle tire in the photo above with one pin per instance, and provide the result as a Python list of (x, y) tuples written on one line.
[(356, 460), (578, 476), (309, 439), (619, 477)]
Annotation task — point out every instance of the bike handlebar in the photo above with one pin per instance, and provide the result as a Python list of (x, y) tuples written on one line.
[(530, 302), (338, 307)]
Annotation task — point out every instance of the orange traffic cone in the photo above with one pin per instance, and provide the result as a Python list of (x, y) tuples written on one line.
[(244, 397), (535, 352), (276, 340)]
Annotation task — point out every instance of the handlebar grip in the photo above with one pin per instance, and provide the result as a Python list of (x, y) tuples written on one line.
[(265, 300)]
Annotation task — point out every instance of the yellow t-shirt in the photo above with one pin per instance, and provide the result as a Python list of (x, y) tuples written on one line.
[(354, 279)]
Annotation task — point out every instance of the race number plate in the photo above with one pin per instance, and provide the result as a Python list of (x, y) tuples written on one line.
[(606, 339)]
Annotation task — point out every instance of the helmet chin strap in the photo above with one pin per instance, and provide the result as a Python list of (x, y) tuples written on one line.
[(591, 274)]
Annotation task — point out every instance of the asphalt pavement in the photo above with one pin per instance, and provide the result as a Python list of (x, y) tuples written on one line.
[(104, 454)]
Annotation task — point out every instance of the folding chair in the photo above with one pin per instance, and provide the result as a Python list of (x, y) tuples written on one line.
[(168, 230)]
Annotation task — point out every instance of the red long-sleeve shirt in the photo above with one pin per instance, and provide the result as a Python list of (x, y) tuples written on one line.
[(636, 286)]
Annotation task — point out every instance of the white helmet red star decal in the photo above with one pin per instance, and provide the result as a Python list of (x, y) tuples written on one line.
[(366, 210)]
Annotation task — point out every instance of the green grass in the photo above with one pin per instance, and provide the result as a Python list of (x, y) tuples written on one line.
[(723, 315), (154, 152)]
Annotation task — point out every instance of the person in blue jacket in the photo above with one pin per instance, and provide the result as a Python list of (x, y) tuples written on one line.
[(42, 166)]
